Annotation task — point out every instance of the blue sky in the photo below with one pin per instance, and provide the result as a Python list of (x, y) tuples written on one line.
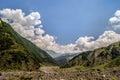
[(69, 19)]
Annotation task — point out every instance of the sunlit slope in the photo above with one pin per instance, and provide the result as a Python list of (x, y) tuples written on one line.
[(110, 56)]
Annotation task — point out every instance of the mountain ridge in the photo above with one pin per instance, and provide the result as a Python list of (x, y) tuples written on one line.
[(18, 53), (105, 55)]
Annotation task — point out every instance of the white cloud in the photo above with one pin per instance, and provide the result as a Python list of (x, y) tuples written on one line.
[(25, 26), (84, 43), (87, 43), (39, 31), (117, 13), (116, 27), (115, 21)]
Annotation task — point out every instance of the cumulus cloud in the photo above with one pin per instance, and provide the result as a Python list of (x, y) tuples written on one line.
[(115, 21), (87, 43), (39, 31), (25, 25)]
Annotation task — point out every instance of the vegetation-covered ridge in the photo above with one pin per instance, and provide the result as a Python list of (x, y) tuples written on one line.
[(106, 57), (17, 53)]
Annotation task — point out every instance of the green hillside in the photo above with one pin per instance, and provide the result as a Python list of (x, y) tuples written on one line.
[(18, 53), (109, 55), (114, 63)]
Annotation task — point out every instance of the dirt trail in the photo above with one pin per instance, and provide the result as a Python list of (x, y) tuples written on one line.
[(50, 69)]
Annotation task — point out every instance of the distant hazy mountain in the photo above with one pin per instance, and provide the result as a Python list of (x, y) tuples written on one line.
[(62, 59), (107, 56), (52, 53), (19, 53)]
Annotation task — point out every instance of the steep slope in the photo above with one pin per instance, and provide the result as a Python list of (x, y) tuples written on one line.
[(19, 53), (107, 55), (114, 63)]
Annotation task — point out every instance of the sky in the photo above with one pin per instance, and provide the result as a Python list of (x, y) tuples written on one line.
[(64, 26)]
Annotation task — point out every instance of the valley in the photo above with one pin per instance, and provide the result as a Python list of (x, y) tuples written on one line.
[(20, 59)]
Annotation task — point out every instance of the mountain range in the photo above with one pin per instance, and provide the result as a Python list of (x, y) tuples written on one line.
[(18, 53), (61, 58), (106, 56)]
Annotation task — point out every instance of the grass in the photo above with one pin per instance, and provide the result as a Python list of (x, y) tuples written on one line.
[(75, 68), (100, 66), (80, 67), (113, 78), (103, 66)]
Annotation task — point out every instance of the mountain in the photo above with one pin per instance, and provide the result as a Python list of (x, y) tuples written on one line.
[(17, 53), (62, 59), (108, 56), (114, 63), (52, 53)]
